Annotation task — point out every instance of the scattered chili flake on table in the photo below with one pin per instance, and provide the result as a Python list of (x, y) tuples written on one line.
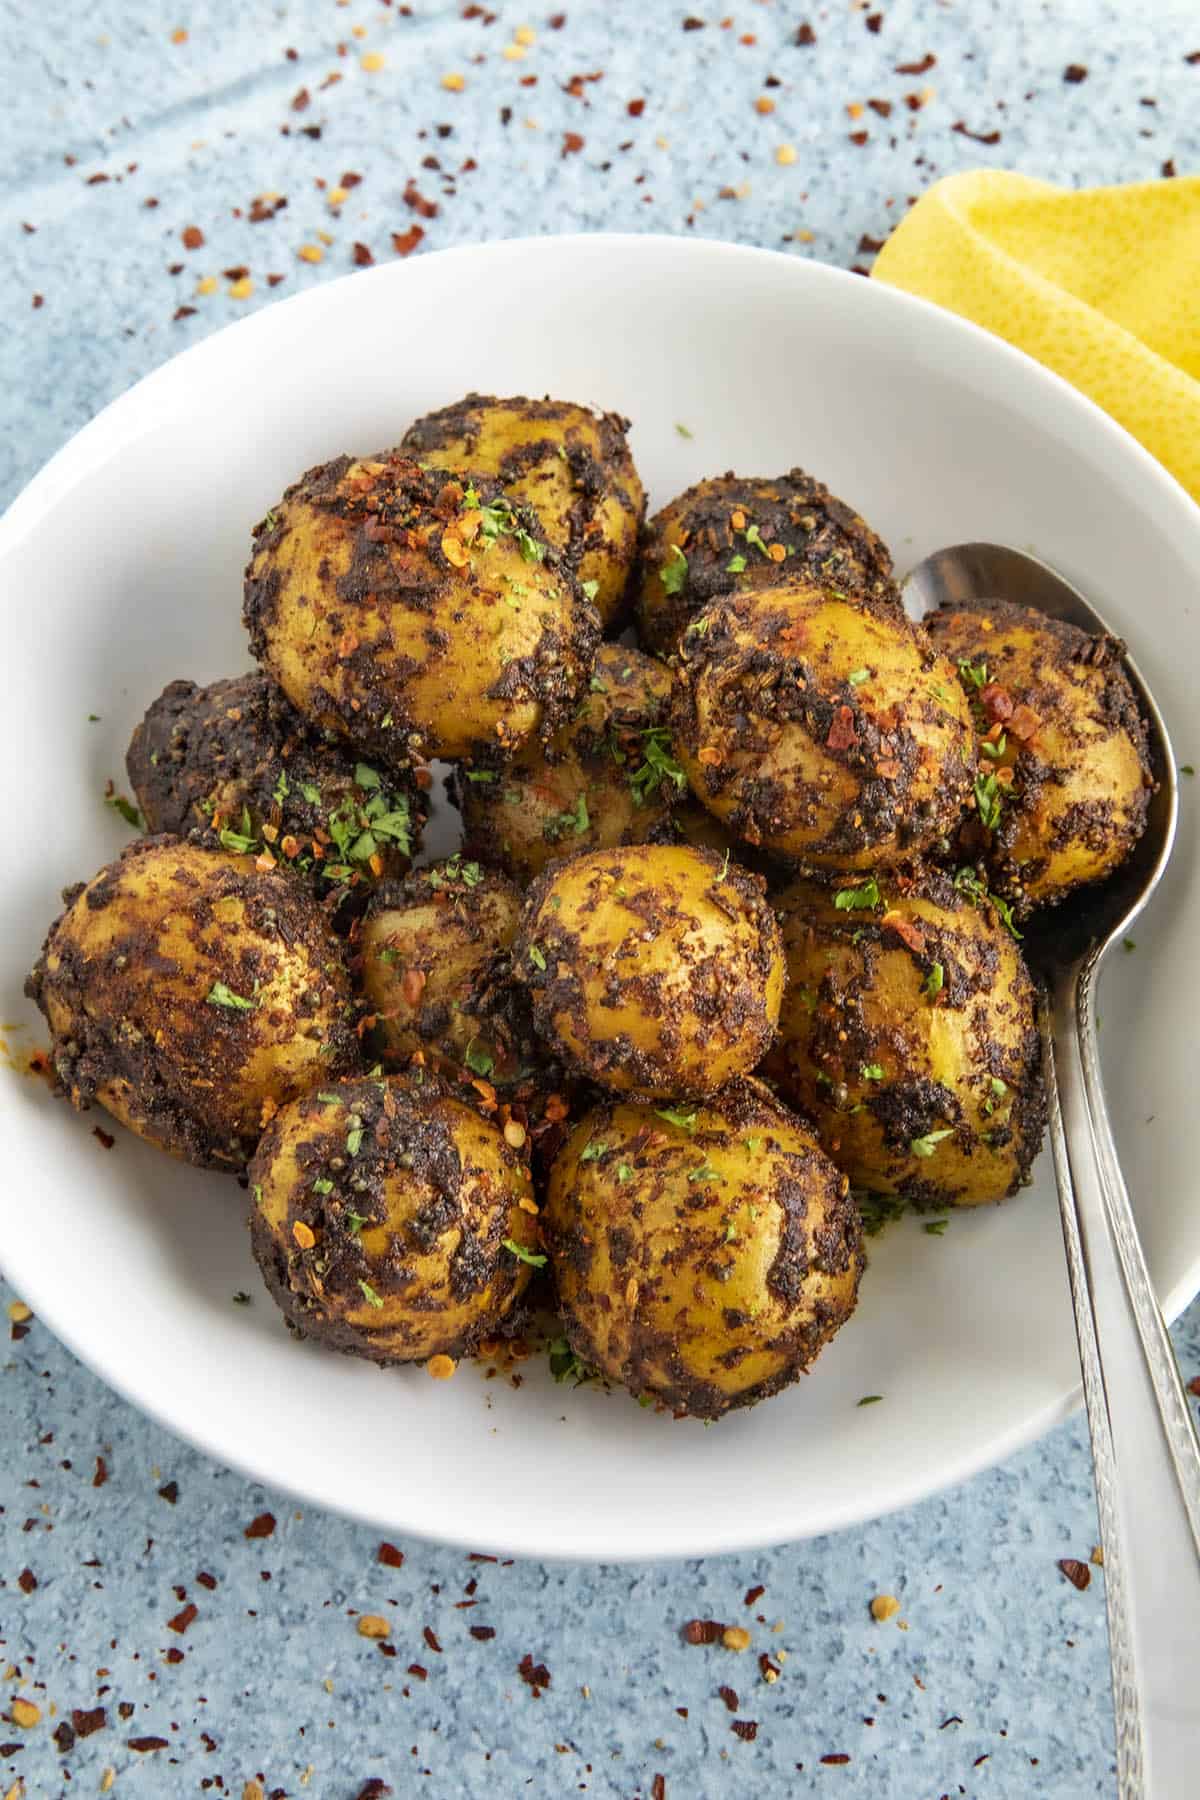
[(261, 1527), (482, 1632), (702, 1631), (729, 1696), (1074, 73), (1076, 1572), (192, 236), (746, 1729), (389, 1555), (405, 242), (836, 1756), (534, 1675), (183, 1618), (84, 1723), (169, 1492), (753, 1594), (145, 1744), (917, 68), (27, 1581)]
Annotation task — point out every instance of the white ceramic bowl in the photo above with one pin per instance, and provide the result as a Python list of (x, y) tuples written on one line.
[(120, 568)]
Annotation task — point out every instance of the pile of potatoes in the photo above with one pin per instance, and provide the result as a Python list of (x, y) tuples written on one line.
[(732, 939)]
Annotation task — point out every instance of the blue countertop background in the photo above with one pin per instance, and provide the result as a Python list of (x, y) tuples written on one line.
[(123, 127)]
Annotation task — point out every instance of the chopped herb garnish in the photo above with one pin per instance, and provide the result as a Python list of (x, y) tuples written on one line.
[(684, 1117), (478, 1060), (126, 808), (597, 686), (683, 430), (967, 882), (736, 564), (93, 718), (856, 677), (365, 777), (933, 983), (1186, 769), (257, 1191), (524, 1255), (355, 1222), (705, 1172), (940, 693), (753, 1144), (624, 1172), (219, 995), (869, 1399), (565, 1365), (754, 538), (857, 899), (238, 842), (674, 571), (282, 789), (591, 1151), (354, 1136), (369, 1294), (1129, 943), (311, 794), (590, 589), (659, 766), (925, 1146), (973, 674), (323, 1186), (577, 820), (878, 1210), (724, 867), (987, 800), (328, 1099), (536, 957), (936, 1227), (241, 1298), (995, 749), (998, 1087), (871, 1071), (480, 775), (731, 1233)]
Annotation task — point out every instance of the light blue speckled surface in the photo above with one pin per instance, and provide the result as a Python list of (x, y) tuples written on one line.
[(999, 1686)]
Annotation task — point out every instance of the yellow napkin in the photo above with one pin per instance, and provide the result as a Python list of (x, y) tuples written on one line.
[(1102, 286)]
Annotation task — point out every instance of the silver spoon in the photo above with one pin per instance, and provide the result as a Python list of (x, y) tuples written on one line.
[(1144, 1445)]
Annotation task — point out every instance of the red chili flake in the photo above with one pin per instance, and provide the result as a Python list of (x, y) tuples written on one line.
[(1074, 73), (556, 21), (908, 933), (882, 107), (572, 143), (389, 1555), (981, 1759), (747, 1730), (174, 1656), (350, 179), (415, 199), (691, 23), (64, 1737), (374, 1789), (95, 180), (478, 1555), (842, 733), (39, 300), (86, 1722), (1194, 1386), (997, 702), (292, 55), (274, 280), (182, 312), (125, 1708), (874, 23), (169, 1492), (860, 137), (954, 1719), (636, 108), (805, 36), (702, 1631), (27, 228), (300, 99), (482, 1632), (183, 1618), (1077, 1573), (420, 1673), (362, 256), (261, 1527), (430, 1636), (658, 1788), (1024, 723), (729, 1696), (976, 137), (534, 1675), (206, 1580), (27, 1581), (753, 1594), (1168, 169), (101, 1475), (147, 1743), (192, 237), (917, 68), (836, 1756), (869, 244), (405, 242)]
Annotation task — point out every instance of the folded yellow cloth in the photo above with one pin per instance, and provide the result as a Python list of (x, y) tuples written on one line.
[(1102, 286)]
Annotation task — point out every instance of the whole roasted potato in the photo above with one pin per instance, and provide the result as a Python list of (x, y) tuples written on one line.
[(235, 764), (653, 969), (191, 995), (1064, 774), (703, 1255), (909, 1036), (388, 1220), (605, 778), (571, 465), (822, 728), (416, 613), (427, 945), (732, 533)]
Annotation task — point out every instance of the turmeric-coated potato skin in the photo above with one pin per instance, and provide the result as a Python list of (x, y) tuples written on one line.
[(702, 1255), (191, 994), (571, 465), (733, 533), (380, 1210), (1064, 764), (655, 969), (909, 1036), (426, 947), (822, 728), (234, 765), (607, 777), (416, 612)]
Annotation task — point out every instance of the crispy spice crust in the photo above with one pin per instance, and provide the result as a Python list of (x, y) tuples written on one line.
[(105, 1044), (821, 1234), (406, 508), (827, 539), (732, 1006), (407, 1136)]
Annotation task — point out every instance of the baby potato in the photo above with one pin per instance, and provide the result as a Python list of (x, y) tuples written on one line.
[(388, 1220), (909, 1036), (606, 778), (822, 728), (426, 947), (703, 1255), (236, 765), (571, 465), (732, 533), (1064, 774), (416, 613), (191, 995), (654, 969)]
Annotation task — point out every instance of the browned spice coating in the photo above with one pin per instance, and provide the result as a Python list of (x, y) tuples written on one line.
[(820, 535)]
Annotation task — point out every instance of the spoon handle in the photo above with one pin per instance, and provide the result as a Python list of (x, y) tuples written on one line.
[(1144, 1445)]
